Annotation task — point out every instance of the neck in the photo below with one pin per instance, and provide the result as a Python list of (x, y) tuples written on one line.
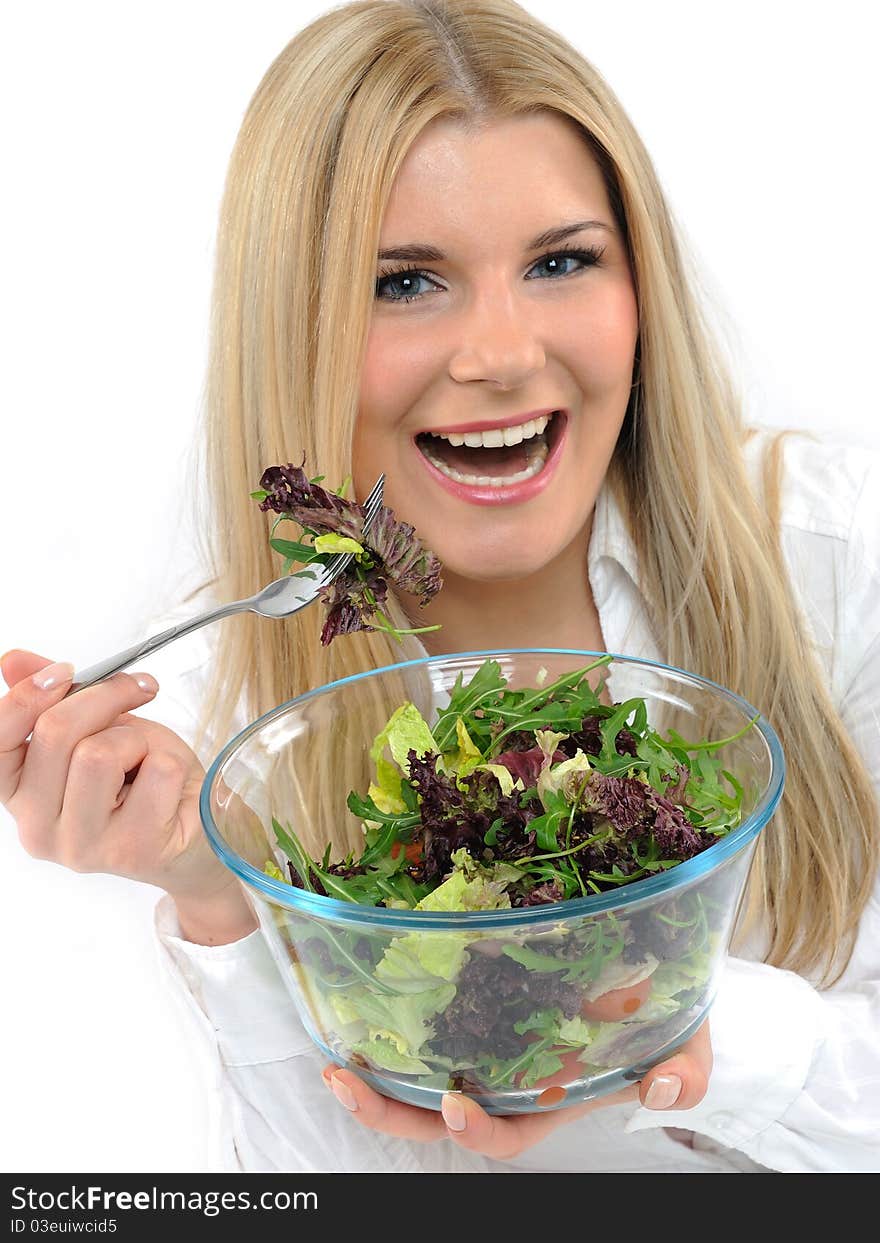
[(552, 607)]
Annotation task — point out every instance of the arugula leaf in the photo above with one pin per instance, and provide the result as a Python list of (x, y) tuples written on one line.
[(289, 843), (486, 684), (293, 549), (364, 807)]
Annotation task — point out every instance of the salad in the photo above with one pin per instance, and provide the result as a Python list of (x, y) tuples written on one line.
[(330, 524), (517, 798)]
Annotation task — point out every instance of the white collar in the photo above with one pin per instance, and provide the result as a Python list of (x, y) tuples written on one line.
[(610, 541)]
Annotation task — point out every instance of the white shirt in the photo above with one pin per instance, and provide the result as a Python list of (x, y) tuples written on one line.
[(796, 1079)]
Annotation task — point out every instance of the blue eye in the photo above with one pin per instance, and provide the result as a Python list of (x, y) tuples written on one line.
[(585, 258), (406, 278)]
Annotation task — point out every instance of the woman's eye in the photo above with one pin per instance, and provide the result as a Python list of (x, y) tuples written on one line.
[(406, 283), (404, 286), (555, 264)]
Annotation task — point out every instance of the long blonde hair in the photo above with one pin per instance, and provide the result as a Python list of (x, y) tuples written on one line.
[(309, 177)]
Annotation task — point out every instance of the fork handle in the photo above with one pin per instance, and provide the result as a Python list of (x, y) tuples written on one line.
[(105, 668)]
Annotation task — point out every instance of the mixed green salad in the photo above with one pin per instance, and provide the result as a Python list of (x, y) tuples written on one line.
[(516, 799), (390, 552)]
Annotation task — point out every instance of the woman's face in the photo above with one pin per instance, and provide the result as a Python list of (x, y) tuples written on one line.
[(501, 338)]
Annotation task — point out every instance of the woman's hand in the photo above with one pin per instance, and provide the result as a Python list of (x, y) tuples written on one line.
[(98, 789), (678, 1083)]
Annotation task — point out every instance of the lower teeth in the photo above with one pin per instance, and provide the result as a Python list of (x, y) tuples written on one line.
[(539, 457)]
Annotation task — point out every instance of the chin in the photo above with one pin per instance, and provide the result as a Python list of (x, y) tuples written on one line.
[(494, 565)]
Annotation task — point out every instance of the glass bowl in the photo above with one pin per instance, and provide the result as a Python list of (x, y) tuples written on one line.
[(421, 1002)]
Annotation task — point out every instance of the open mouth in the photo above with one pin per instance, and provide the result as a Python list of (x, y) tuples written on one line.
[(499, 458)]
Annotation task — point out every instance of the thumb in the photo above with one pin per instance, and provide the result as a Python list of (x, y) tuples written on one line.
[(682, 1080), (17, 664)]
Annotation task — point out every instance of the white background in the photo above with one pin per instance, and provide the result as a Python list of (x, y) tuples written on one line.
[(118, 123)]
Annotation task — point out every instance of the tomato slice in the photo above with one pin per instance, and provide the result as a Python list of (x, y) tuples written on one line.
[(413, 851), (619, 1003)]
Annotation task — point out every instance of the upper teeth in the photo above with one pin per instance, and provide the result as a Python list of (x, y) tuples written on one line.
[(498, 436)]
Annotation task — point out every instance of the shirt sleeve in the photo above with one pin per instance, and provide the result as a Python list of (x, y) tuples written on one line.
[(796, 1080)]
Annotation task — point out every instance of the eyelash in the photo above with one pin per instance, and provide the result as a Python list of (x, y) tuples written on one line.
[(589, 256)]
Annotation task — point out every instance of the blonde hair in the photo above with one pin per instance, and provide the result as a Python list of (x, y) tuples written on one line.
[(311, 171)]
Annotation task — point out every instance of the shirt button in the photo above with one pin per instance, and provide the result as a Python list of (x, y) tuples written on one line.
[(721, 1120)]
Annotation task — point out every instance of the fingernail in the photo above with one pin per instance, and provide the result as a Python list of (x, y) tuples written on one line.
[(453, 1113), (343, 1094), (53, 675), (663, 1092), (147, 683)]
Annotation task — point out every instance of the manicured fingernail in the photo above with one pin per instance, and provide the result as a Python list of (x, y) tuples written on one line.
[(343, 1094), (663, 1092), (453, 1113), (147, 683), (53, 675)]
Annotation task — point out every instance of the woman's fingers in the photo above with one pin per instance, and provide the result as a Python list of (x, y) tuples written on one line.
[(19, 711), (685, 1076), (379, 1112), (461, 1118), (96, 787), (58, 726), (156, 796), (17, 664), (681, 1081)]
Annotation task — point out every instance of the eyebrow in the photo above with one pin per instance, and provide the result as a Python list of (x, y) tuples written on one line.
[(419, 252)]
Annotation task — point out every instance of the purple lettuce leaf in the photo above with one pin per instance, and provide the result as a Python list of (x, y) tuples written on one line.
[(410, 566), (634, 809), (312, 506), (528, 765), (459, 814), (396, 553), (673, 832)]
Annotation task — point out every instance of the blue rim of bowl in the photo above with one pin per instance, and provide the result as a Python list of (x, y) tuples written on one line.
[(335, 909)]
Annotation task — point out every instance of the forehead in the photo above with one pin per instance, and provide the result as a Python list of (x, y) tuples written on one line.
[(502, 178)]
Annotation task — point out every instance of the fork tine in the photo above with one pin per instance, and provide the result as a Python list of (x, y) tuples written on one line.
[(372, 505)]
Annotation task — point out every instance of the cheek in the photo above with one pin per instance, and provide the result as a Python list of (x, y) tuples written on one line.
[(602, 342), (394, 376), (397, 367)]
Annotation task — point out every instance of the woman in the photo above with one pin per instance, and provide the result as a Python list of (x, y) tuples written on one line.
[(646, 521)]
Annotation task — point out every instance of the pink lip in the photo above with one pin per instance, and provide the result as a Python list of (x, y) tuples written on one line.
[(488, 425), (516, 493)]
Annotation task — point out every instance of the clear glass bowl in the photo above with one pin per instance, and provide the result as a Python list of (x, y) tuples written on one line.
[(632, 972)]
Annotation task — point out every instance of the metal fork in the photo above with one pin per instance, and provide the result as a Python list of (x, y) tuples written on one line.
[(282, 598)]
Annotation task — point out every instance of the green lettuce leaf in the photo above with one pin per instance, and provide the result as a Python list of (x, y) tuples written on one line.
[(404, 1020), (565, 778), (406, 729), (472, 886), (419, 961), (334, 543), (467, 757), (544, 1063), (574, 1031), (672, 978), (384, 1053)]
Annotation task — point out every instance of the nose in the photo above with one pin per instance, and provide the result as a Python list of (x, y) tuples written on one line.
[(497, 343)]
